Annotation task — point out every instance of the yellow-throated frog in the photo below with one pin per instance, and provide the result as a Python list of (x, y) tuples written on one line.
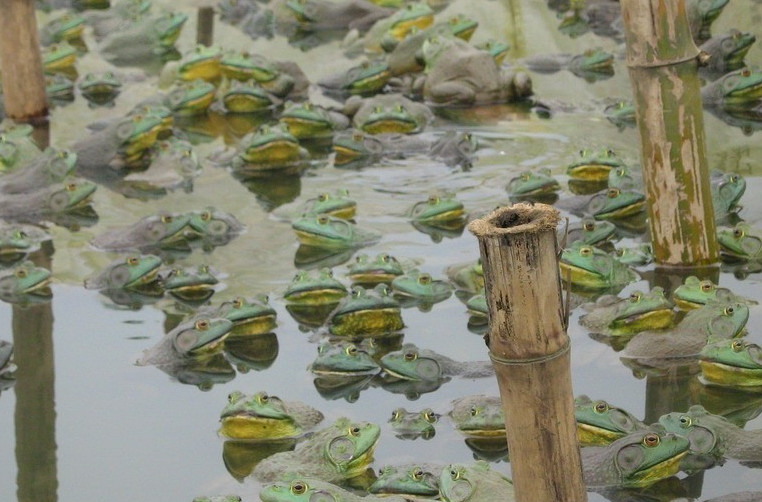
[(611, 315), (264, 417), (600, 423)]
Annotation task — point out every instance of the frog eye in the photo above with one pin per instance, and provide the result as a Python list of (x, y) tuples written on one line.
[(234, 396), (322, 197), (322, 219), (385, 258), (351, 350), (167, 218), (70, 187), (357, 137), (133, 260), (651, 440), (238, 302), (586, 251), (737, 345), (356, 293), (454, 474), (473, 411), (636, 296), (525, 177), (354, 431), (685, 421), (21, 273), (396, 414), (613, 193), (746, 72), (738, 233), (424, 279), (206, 215), (298, 487), (609, 153), (433, 199), (263, 397), (202, 324), (417, 473), (429, 415), (411, 355), (729, 311), (584, 153), (399, 108), (588, 226), (706, 286), (601, 407)]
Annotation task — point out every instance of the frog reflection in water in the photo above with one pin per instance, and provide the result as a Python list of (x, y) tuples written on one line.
[(411, 425), (735, 363), (336, 453), (263, 417), (412, 363), (19, 240), (637, 459), (307, 489), (192, 339), (599, 423), (100, 88), (474, 483), (48, 202), (626, 316), (592, 64)]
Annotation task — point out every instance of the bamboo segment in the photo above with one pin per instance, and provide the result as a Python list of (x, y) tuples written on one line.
[(23, 80), (529, 348), (662, 60)]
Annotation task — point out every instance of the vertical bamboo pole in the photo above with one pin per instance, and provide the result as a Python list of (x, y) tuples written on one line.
[(662, 60), (529, 348), (23, 80), (205, 26)]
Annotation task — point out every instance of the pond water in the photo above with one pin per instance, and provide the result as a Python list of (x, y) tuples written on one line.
[(91, 425)]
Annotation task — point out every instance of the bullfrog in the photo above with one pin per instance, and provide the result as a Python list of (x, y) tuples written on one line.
[(735, 89), (459, 74), (635, 256), (148, 37), (701, 15), (740, 243), (733, 363), (343, 358), (626, 178), (479, 416), (609, 204), (594, 165), (417, 479), (328, 232), (621, 113), (588, 232), (117, 16), (367, 271), (532, 185), (173, 165), (722, 318), (396, 26), (68, 27), (364, 79), (199, 338), (100, 88), (18, 240), (366, 312), (133, 272), (694, 292), (163, 230), (388, 113), (592, 64), (312, 15), (467, 276), (355, 148), (214, 226), (201, 62), (338, 204), (600, 423), (246, 96), (339, 452), (420, 287), (186, 98), (478, 312), (414, 424), (412, 363), (469, 483), (315, 289), (593, 269), (437, 209), (306, 489), (24, 283), (264, 417), (250, 317), (635, 460), (59, 58), (640, 311), (189, 284), (727, 189), (53, 166), (278, 78), (309, 121), (270, 148), (59, 89), (47, 202), (727, 50), (714, 435)]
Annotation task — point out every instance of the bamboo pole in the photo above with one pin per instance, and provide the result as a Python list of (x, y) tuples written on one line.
[(529, 348), (663, 61), (23, 79), (205, 26)]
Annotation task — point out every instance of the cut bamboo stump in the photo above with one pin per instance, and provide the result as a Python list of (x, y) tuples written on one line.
[(663, 64), (529, 348), (23, 79)]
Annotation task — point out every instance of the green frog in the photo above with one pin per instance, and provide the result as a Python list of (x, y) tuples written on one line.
[(201, 62), (188, 98), (727, 189), (533, 185), (588, 232), (621, 113), (189, 284), (56, 199), (306, 489), (459, 74), (52, 166), (328, 232), (163, 230), (467, 276), (315, 289), (214, 226), (734, 363), (437, 209), (134, 272), (18, 240), (193, 339), (727, 51), (343, 358), (635, 460), (68, 27), (421, 287), (278, 78), (397, 26), (694, 292), (714, 435), (384, 268), (417, 480), (59, 89), (635, 256), (59, 58), (250, 317), (594, 166), (264, 417), (339, 452), (315, 15), (356, 148), (600, 423), (100, 88), (609, 204), (740, 243), (25, 282), (722, 318), (148, 37), (388, 113), (173, 165), (365, 79), (701, 15), (366, 312), (479, 416), (414, 424), (475, 482), (247, 96), (735, 89), (308, 121), (338, 205), (614, 316), (412, 363), (121, 143), (272, 147), (593, 269), (478, 312), (589, 64)]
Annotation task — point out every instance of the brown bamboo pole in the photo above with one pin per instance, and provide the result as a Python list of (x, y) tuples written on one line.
[(529, 348), (23, 79), (205, 26), (663, 60)]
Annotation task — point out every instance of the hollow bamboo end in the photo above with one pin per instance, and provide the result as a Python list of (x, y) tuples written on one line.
[(516, 219)]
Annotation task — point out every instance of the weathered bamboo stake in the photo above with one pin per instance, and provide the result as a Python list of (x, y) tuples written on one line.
[(529, 348), (663, 60), (205, 26), (23, 79)]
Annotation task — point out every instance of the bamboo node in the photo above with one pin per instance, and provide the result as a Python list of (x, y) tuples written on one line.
[(541, 359)]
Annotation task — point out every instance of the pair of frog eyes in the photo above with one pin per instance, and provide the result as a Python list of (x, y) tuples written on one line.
[(428, 415), (608, 153)]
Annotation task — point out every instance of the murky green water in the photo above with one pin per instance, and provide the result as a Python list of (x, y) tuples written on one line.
[(123, 433)]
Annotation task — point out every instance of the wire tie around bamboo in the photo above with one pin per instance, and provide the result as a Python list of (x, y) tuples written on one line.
[(515, 362)]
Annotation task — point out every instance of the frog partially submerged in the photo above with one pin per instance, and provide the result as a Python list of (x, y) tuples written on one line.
[(315, 289), (611, 315), (740, 243), (609, 204), (420, 288), (727, 50), (163, 230), (328, 232), (68, 27), (338, 204), (417, 479), (694, 293), (60, 58), (538, 185), (594, 165), (732, 363), (193, 339), (593, 64), (144, 39), (173, 165), (309, 121), (438, 209), (414, 424), (25, 283), (269, 149), (307, 489), (246, 96), (315, 15), (727, 189), (388, 113), (412, 363), (600, 423), (52, 166), (139, 272), (48, 203), (339, 452), (100, 88), (590, 268), (19, 240), (192, 285), (283, 79), (263, 417), (366, 312), (736, 89), (461, 482), (479, 416), (588, 232), (214, 227), (343, 358), (366, 79), (397, 26), (366, 271)]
